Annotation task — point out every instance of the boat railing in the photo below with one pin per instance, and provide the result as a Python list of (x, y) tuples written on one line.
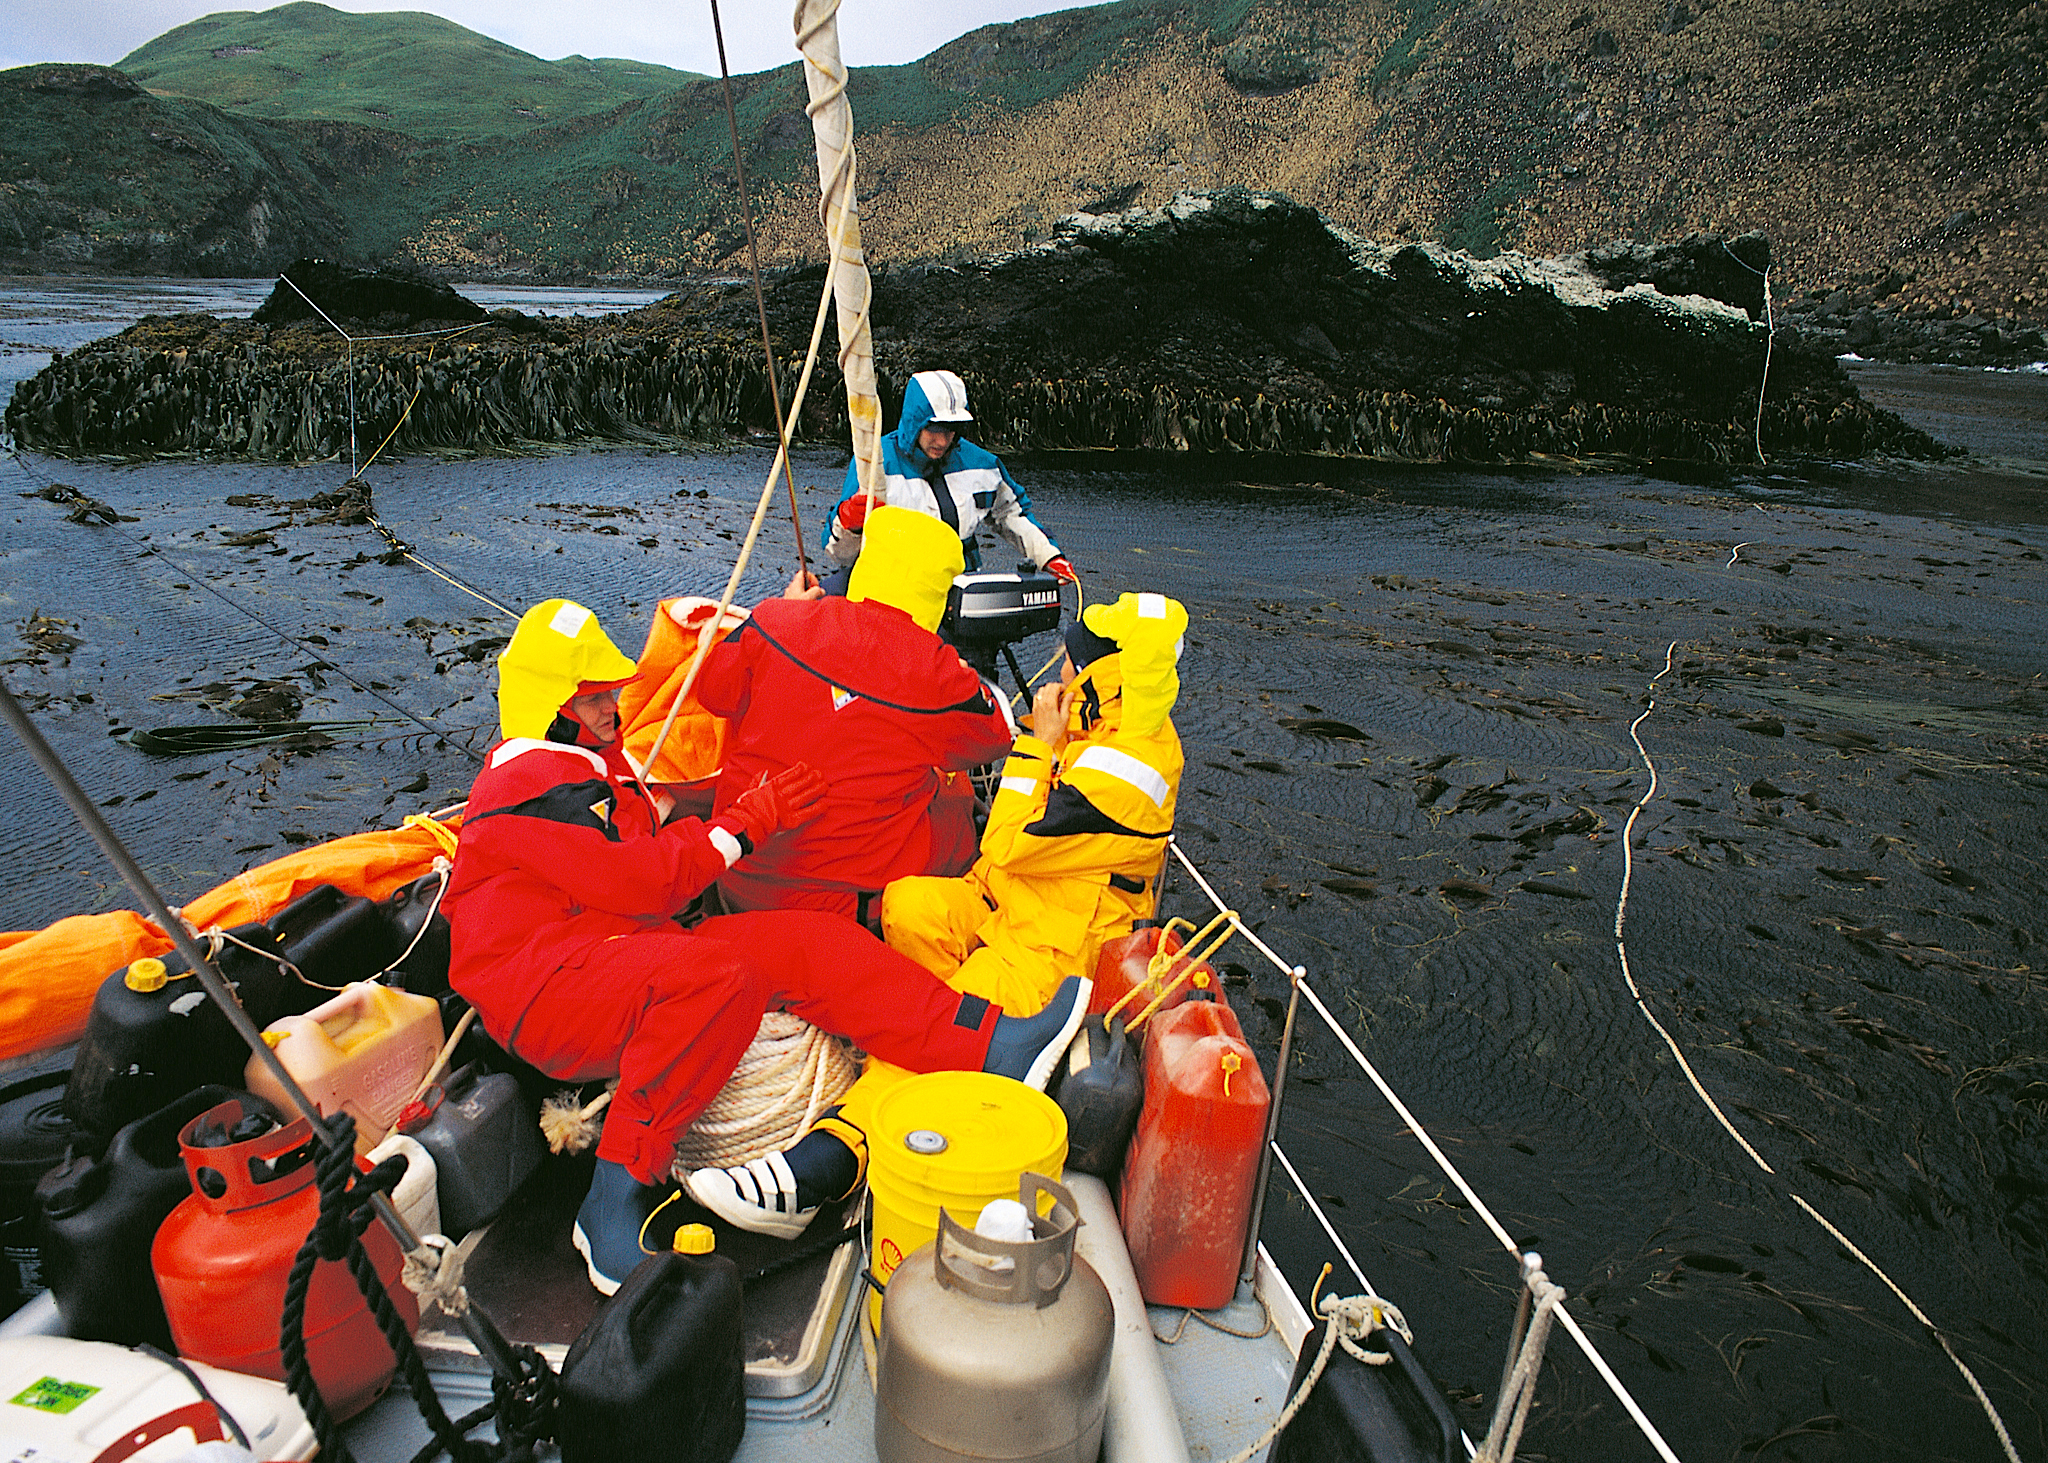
[(1528, 1266)]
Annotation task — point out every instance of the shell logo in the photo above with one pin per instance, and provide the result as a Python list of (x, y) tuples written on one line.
[(887, 1258)]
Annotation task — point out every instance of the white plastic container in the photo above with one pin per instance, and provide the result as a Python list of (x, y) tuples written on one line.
[(417, 1197), (67, 1401)]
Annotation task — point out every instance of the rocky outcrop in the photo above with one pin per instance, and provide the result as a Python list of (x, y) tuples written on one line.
[(377, 299), (1865, 317), (1228, 321)]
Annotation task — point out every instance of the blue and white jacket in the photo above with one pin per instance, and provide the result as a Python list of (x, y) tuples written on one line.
[(976, 485)]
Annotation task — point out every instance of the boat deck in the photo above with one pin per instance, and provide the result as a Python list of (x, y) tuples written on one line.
[(810, 1378)]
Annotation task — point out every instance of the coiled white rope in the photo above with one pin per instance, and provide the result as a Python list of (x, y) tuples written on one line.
[(791, 1073), (1621, 951)]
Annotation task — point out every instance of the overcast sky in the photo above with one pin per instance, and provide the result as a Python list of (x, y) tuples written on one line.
[(757, 32)]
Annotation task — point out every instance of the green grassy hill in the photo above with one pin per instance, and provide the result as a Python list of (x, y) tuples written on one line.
[(403, 70), (97, 175)]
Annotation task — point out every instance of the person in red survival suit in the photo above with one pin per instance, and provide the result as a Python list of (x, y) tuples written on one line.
[(865, 685), (560, 910)]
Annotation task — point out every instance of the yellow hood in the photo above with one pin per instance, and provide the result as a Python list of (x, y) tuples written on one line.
[(558, 651), (907, 561), (1148, 631)]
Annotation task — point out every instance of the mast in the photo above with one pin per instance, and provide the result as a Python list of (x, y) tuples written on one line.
[(817, 36)]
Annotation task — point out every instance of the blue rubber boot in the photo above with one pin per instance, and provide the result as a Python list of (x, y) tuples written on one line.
[(607, 1232), (1029, 1047)]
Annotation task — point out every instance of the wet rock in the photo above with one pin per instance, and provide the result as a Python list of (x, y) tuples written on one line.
[(1224, 322), (1709, 265), (386, 299)]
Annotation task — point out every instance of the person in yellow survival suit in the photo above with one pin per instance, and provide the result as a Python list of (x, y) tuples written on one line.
[(1071, 858)]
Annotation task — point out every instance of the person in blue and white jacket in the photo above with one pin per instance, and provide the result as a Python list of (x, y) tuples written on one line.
[(931, 468)]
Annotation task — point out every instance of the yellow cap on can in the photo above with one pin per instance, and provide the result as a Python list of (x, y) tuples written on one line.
[(694, 1239), (146, 975)]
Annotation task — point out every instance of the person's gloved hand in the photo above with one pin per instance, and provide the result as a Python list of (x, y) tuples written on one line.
[(1060, 569), (791, 797), (853, 512)]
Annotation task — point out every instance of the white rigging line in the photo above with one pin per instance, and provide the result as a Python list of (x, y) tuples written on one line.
[(1570, 1323), (1621, 950)]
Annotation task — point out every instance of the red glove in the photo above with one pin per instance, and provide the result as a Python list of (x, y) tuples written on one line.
[(1060, 569), (792, 796), (853, 512)]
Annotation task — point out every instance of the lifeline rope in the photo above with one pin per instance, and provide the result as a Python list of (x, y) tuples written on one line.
[(1442, 1160), (1621, 950)]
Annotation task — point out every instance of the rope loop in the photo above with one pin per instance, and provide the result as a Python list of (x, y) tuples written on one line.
[(1350, 1320), (346, 1197), (525, 1408)]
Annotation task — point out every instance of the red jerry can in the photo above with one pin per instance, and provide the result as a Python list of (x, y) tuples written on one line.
[(222, 1258), (1186, 1194), (1133, 969)]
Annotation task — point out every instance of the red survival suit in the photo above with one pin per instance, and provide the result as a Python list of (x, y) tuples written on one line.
[(863, 688), (560, 906)]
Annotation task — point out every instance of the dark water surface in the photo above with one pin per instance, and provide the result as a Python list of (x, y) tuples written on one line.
[(1406, 702)]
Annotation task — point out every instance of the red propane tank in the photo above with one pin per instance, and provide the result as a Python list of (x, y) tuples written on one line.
[(1146, 958), (223, 1256), (1186, 1193)]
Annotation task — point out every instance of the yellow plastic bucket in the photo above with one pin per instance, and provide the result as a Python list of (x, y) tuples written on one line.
[(952, 1140)]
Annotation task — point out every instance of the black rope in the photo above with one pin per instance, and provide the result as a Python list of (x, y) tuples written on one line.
[(525, 1409), (803, 1256), (739, 172), (179, 1365)]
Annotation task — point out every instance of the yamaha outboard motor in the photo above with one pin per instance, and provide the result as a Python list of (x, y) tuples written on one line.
[(987, 612)]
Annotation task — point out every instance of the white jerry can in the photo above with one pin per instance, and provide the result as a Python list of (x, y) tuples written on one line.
[(68, 1401)]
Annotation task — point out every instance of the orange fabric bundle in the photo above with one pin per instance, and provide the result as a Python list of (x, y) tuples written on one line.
[(48, 977), (695, 748), (371, 864)]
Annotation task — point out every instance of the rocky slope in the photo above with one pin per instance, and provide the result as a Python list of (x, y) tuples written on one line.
[(102, 177), (1226, 321), (1892, 150)]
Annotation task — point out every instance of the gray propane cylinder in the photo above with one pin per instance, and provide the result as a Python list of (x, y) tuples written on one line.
[(985, 1361)]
